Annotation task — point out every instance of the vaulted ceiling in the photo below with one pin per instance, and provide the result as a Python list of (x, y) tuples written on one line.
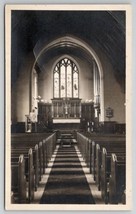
[(104, 30)]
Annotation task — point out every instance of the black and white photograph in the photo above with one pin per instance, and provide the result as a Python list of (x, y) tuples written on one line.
[(67, 107)]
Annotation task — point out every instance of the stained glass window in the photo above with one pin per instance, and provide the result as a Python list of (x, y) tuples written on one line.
[(66, 79), (56, 84), (69, 81), (62, 81)]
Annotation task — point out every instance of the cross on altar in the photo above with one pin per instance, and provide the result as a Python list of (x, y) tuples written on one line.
[(66, 109)]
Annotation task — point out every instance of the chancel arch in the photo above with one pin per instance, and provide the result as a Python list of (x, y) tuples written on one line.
[(70, 42)]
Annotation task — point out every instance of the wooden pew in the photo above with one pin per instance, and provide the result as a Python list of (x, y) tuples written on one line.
[(18, 180), (103, 140), (36, 166), (41, 160), (93, 157), (117, 181), (49, 145), (84, 145), (33, 138), (118, 147), (27, 167), (31, 187), (106, 171), (98, 163), (108, 145), (35, 159), (89, 154), (15, 152)]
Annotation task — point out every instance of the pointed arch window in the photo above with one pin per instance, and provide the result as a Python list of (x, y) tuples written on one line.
[(66, 79)]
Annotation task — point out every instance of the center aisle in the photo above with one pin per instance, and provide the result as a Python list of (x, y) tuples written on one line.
[(67, 183)]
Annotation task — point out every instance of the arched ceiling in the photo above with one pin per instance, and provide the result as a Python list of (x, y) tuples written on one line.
[(104, 30)]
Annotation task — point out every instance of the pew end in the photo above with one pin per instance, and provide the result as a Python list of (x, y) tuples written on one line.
[(117, 180), (18, 181)]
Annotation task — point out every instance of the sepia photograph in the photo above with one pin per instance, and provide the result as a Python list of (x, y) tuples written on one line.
[(67, 107)]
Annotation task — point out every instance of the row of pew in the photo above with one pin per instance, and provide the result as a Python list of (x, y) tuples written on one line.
[(29, 160), (107, 163)]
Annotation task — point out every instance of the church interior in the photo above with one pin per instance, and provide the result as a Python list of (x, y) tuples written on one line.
[(68, 111)]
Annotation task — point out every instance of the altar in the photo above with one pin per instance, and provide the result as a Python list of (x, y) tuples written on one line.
[(66, 110), (66, 120)]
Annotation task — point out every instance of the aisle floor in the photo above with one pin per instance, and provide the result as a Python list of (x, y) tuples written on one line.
[(61, 192)]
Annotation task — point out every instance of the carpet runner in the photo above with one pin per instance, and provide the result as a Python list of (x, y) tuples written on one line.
[(67, 183)]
